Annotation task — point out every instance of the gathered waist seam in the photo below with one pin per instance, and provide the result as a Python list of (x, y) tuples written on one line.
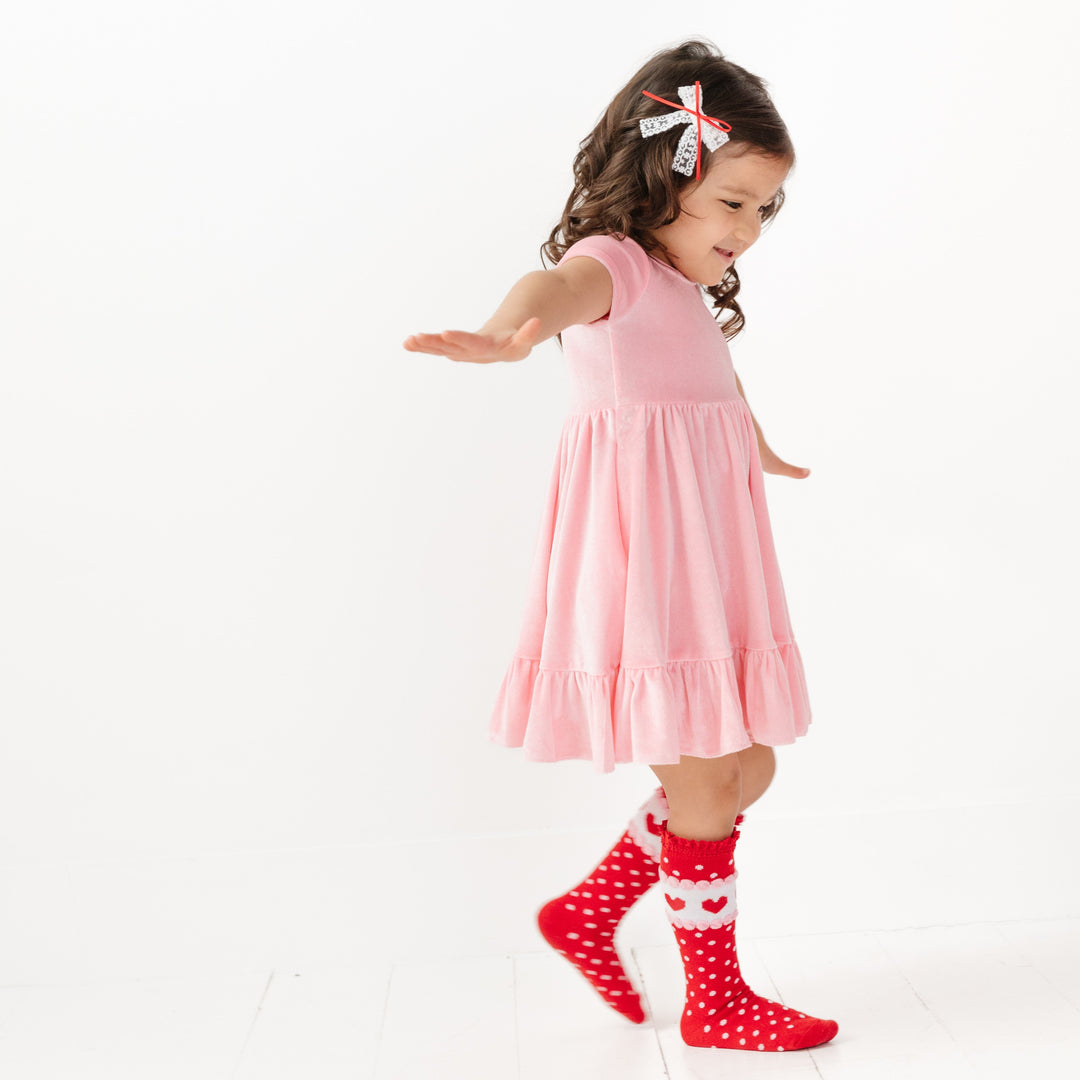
[(646, 404)]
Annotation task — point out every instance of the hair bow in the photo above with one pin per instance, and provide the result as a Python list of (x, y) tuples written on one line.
[(688, 153)]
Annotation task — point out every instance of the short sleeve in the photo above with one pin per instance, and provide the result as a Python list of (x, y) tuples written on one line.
[(626, 262)]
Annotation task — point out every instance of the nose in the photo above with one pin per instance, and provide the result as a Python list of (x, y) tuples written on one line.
[(747, 231)]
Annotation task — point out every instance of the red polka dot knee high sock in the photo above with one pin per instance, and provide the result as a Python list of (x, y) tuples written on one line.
[(582, 922), (698, 879)]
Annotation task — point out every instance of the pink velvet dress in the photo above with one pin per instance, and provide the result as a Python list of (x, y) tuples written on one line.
[(655, 620)]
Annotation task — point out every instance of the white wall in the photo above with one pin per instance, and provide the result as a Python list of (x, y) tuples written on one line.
[(262, 569)]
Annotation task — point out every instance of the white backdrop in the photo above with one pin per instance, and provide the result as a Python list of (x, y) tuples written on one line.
[(263, 569)]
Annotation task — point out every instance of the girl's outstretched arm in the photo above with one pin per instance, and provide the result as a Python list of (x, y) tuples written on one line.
[(770, 461), (542, 304)]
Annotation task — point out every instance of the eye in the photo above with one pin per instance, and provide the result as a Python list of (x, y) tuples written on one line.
[(738, 206)]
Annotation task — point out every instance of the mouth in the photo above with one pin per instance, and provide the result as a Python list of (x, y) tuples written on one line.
[(723, 251)]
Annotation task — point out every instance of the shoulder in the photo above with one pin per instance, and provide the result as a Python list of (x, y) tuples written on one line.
[(624, 259)]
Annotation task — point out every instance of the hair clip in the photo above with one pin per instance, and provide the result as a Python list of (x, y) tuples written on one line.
[(688, 153)]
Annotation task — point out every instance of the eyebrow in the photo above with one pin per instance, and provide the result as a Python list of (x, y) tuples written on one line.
[(739, 191)]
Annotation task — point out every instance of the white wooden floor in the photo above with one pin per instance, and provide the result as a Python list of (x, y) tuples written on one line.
[(987, 1000), (302, 963)]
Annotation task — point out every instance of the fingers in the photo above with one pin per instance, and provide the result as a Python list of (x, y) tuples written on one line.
[(797, 471), (464, 345), (436, 344)]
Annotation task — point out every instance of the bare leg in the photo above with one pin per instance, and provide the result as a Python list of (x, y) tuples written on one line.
[(705, 795), (758, 763)]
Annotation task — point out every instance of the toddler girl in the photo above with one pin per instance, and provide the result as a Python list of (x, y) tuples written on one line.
[(656, 629)]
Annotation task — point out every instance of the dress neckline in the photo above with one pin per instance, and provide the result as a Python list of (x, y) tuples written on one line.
[(664, 266), (670, 269)]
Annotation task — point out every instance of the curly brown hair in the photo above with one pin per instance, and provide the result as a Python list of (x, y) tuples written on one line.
[(625, 185)]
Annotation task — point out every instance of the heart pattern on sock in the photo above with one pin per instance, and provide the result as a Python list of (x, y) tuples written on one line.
[(581, 923), (720, 1009)]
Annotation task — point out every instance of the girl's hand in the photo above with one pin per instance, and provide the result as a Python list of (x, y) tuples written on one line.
[(770, 463), (479, 348)]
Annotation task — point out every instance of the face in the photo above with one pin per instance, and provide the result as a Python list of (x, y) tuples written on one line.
[(721, 213)]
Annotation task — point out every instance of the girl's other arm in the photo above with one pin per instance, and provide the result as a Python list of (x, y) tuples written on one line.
[(542, 304), (757, 426), (771, 462)]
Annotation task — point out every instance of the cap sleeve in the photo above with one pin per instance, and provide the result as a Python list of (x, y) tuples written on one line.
[(626, 262)]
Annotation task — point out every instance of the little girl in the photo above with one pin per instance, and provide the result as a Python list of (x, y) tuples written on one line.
[(656, 629)]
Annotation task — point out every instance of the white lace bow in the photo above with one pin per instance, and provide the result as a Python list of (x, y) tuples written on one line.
[(701, 128)]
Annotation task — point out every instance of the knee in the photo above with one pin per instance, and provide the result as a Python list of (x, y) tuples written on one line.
[(760, 760), (701, 781), (767, 760)]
